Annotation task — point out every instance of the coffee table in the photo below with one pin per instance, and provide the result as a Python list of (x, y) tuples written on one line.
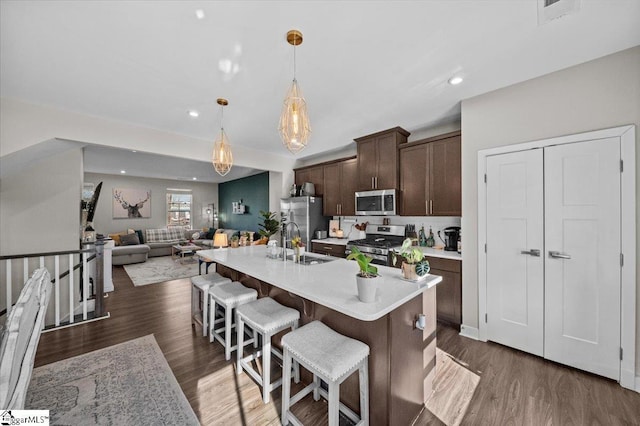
[(179, 251)]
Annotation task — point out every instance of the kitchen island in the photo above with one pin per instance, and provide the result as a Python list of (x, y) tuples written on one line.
[(402, 357)]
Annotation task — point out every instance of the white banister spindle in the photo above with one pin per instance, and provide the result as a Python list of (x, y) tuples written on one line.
[(25, 270), (85, 286), (42, 261), (9, 285), (57, 288), (71, 289)]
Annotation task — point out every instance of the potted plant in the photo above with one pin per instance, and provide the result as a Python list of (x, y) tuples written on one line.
[(367, 277), (298, 248), (235, 241), (414, 266), (269, 226)]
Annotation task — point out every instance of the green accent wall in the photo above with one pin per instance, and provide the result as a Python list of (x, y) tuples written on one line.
[(254, 192)]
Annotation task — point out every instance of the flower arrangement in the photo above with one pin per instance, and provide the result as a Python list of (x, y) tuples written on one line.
[(296, 242)]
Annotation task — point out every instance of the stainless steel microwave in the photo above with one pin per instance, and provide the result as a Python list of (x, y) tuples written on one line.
[(376, 203)]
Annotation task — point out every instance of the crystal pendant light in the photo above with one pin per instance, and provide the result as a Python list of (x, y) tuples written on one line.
[(294, 125), (222, 157)]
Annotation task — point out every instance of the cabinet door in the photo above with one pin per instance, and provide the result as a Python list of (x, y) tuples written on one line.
[(367, 164), (348, 185), (445, 190), (413, 181), (449, 297), (387, 171), (332, 193), (314, 175)]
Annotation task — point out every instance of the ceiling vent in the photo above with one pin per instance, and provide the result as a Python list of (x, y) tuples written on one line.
[(548, 10)]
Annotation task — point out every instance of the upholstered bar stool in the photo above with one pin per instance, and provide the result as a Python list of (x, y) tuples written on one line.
[(229, 296), (332, 357), (201, 284), (267, 318)]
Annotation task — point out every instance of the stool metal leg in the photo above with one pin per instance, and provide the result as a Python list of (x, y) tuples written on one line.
[(286, 385)]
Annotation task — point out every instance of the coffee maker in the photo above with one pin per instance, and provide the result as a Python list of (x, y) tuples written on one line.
[(451, 235)]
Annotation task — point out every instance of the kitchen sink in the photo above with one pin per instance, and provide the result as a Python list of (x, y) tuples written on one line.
[(312, 260)]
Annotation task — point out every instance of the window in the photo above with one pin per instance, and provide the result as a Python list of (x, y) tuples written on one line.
[(179, 209)]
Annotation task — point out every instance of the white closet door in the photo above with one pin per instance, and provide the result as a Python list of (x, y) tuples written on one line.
[(515, 287), (582, 270)]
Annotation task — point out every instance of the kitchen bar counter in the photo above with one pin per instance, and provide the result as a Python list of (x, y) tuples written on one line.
[(402, 357), (331, 284), (336, 241), (429, 251)]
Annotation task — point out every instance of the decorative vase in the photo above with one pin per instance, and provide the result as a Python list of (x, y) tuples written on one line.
[(296, 254), (367, 288), (409, 271)]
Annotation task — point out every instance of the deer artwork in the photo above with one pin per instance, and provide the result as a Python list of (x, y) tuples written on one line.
[(133, 210)]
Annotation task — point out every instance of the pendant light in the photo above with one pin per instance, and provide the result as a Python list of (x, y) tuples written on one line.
[(294, 125), (222, 157)]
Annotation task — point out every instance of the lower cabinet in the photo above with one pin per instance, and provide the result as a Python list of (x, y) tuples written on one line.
[(329, 249), (449, 291)]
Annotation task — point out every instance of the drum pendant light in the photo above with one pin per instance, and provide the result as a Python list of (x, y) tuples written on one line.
[(222, 157), (294, 125)]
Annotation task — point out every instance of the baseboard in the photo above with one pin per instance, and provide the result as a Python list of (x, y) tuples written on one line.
[(638, 384), (470, 332)]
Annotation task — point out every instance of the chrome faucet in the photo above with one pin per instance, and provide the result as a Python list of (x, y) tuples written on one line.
[(285, 232)]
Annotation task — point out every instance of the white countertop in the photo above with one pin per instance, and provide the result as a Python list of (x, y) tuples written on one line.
[(331, 284), (336, 241), (430, 251)]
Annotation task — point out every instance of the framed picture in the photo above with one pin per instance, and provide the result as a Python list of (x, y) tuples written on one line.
[(131, 203)]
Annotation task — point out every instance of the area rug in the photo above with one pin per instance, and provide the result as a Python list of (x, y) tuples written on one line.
[(125, 384), (159, 269)]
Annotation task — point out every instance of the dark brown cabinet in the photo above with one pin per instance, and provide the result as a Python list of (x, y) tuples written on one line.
[(430, 177), (378, 159), (329, 249), (313, 174), (449, 291), (340, 180)]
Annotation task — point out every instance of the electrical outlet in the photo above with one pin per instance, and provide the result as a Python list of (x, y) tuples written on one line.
[(349, 220)]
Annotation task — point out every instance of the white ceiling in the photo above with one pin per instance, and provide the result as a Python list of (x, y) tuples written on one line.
[(364, 66)]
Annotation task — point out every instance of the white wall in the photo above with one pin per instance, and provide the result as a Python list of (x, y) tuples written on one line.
[(595, 95), (40, 206), (103, 222)]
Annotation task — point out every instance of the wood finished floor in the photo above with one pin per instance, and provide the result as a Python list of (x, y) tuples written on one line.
[(513, 388)]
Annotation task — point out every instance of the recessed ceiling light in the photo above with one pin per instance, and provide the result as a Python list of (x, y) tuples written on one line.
[(200, 14), (455, 80), (195, 178), (123, 171), (193, 113), (133, 150)]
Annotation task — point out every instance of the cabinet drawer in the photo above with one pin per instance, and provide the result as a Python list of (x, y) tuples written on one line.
[(444, 264), (328, 249)]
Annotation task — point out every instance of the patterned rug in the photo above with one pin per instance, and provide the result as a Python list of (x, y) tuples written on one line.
[(126, 384), (159, 269)]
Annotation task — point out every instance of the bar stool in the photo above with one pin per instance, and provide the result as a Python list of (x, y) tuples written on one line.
[(201, 284), (332, 357), (229, 296), (266, 317)]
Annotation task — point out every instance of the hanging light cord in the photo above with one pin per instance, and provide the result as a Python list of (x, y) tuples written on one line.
[(294, 58)]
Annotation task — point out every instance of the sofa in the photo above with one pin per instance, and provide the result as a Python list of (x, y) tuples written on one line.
[(136, 246)]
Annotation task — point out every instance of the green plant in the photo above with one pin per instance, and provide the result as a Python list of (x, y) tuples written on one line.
[(270, 225), (412, 255), (367, 270)]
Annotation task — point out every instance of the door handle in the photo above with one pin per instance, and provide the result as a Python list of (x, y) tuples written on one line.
[(430, 206), (372, 185), (558, 255), (426, 206), (532, 252), (376, 181)]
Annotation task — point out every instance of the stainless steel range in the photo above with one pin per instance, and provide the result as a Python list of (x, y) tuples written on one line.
[(379, 242)]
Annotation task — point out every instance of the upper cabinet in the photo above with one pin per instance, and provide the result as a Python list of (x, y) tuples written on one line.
[(430, 177), (340, 179), (377, 161), (313, 174)]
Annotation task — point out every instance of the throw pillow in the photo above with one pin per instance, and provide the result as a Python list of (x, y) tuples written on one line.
[(115, 238), (140, 235), (210, 233), (129, 240)]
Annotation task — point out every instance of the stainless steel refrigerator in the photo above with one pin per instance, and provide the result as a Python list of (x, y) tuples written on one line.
[(303, 215)]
